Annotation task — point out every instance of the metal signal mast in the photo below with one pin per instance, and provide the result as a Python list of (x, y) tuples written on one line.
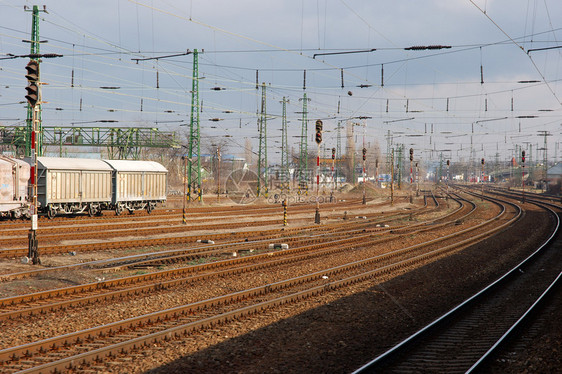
[(194, 134), (285, 185), (303, 151), (262, 151), (34, 50)]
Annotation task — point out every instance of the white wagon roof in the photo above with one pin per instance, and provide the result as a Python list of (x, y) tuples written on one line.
[(135, 165), (57, 163)]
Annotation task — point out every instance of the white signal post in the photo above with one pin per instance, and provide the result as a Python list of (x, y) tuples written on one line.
[(33, 250)]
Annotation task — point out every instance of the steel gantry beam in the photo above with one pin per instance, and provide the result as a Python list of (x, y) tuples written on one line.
[(121, 142)]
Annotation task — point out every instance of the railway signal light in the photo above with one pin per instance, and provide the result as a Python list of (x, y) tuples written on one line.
[(333, 153), (448, 163), (318, 131), (523, 156), (482, 161), (364, 154), (32, 88), (411, 154)]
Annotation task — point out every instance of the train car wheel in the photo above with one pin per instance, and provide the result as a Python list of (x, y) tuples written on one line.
[(91, 211), (118, 210), (149, 208), (51, 213)]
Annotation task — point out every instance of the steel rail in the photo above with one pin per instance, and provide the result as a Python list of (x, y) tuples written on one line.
[(263, 235), (72, 225), (114, 349), (123, 244), (408, 342), (43, 295), (341, 245)]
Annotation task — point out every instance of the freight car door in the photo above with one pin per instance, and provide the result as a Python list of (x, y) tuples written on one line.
[(81, 186)]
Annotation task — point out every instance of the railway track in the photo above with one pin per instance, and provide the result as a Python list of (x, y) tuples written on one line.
[(174, 214), (308, 285), (303, 248), (468, 335), (151, 237)]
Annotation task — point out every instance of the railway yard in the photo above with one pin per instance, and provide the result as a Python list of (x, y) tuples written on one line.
[(235, 290), (275, 187)]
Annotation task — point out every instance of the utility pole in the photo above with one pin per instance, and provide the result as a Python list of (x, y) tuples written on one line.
[(285, 185), (388, 150), (377, 172), (523, 174), (194, 133), (448, 163), (392, 177), (303, 154), (338, 151), (218, 173), (34, 50), (411, 173), (185, 183), (319, 126), (364, 175), (262, 151), (482, 179), (417, 180), (333, 175), (400, 164), (545, 156)]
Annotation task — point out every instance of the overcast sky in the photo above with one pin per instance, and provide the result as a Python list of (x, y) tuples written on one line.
[(492, 41)]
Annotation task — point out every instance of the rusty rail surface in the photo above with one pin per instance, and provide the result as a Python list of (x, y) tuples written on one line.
[(27, 351)]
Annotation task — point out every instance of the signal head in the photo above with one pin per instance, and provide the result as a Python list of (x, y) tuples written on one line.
[(318, 137), (32, 68), (32, 94), (319, 125)]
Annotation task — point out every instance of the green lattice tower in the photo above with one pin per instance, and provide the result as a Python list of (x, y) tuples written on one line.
[(285, 184), (400, 164), (29, 126), (194, 176), (262, 151), (388, 151), (303, 149)]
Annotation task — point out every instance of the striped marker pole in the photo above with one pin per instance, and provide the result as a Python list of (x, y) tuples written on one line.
[(284, 212), (33, 248)]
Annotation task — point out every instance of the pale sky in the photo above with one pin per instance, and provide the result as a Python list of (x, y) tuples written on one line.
[(492, 41)]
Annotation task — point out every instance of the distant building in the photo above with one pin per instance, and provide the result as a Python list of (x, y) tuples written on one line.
[(554, 179)]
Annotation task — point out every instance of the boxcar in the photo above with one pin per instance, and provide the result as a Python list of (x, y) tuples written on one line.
[(137, 185), (14, 179), (73, 185)]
